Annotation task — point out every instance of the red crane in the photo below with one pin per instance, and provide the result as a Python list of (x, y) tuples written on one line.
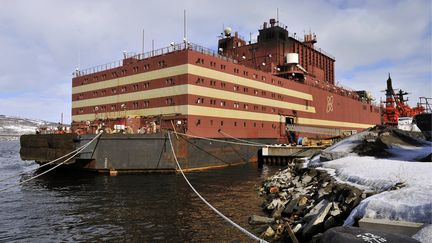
[(396, 106)]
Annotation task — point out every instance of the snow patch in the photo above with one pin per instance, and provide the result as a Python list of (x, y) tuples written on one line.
[(411, 203)]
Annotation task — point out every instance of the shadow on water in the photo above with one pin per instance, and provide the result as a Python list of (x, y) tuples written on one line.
[(65, 206)]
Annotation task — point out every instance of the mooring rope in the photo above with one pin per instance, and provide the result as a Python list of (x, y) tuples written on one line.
[(43, 173), (46, 164), (241, 140), (207, 203)]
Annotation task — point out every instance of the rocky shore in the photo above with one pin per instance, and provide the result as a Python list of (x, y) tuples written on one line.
[(305, 199)]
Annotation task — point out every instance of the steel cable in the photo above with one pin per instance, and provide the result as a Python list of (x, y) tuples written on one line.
[(43, 173), (208, 204)]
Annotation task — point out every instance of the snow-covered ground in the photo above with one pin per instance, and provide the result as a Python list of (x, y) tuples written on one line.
[(19, 126), (412, 202)]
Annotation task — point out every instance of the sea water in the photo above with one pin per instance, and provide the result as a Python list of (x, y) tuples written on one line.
[(71, 206)]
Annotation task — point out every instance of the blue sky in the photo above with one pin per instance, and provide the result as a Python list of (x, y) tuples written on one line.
[(42, 42)]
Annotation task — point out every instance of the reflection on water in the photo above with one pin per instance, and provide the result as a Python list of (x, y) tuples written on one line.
[(65, 206)]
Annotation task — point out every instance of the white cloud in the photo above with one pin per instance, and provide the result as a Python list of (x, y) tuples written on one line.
[(42, 40)]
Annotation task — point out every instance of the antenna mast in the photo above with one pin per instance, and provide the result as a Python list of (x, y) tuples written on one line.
[(184, 26), (142, 51), (277, 15)]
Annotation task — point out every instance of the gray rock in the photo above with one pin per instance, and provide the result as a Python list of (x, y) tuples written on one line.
[(277, 212), (306, 179), (277, 202), (256, 219), (289, 208), (329, 223), (316, 216), (335, 209), (296, 228)]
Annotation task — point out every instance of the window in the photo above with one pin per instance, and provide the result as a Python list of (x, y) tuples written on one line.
[(236, 88), (146, 103), (222, 103), (223, 85), (169, 101), (162, 63), (236, 105)]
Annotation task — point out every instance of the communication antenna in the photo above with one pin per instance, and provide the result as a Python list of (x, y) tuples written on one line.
[(152, 47), (142, 51), (277, 15), (184, 26)]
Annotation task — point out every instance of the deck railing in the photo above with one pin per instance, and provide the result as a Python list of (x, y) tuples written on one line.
[(158, 52)]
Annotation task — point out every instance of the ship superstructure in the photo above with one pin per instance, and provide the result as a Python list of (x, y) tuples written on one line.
[(247, 90)]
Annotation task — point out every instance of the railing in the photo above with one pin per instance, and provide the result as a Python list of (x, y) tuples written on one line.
[(150, 54), (317, 48)]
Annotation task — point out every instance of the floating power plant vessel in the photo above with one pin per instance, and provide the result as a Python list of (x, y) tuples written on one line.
[(216, 102)]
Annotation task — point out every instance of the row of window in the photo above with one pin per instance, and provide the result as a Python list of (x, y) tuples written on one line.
[(236, 105), (240, 88), (235, 123), (237, 71), (122, 89), (135, 69)]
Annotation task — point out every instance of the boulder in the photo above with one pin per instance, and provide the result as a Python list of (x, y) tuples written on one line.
[(256, 220), (316, 216), (345, 234), (289, 208)]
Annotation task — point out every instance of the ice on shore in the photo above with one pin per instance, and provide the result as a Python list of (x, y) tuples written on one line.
[(412, 202)]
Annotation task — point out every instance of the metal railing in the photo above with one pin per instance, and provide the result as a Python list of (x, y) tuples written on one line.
[(158, 52)]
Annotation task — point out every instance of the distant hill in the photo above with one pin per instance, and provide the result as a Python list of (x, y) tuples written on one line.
[(14, 126)]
